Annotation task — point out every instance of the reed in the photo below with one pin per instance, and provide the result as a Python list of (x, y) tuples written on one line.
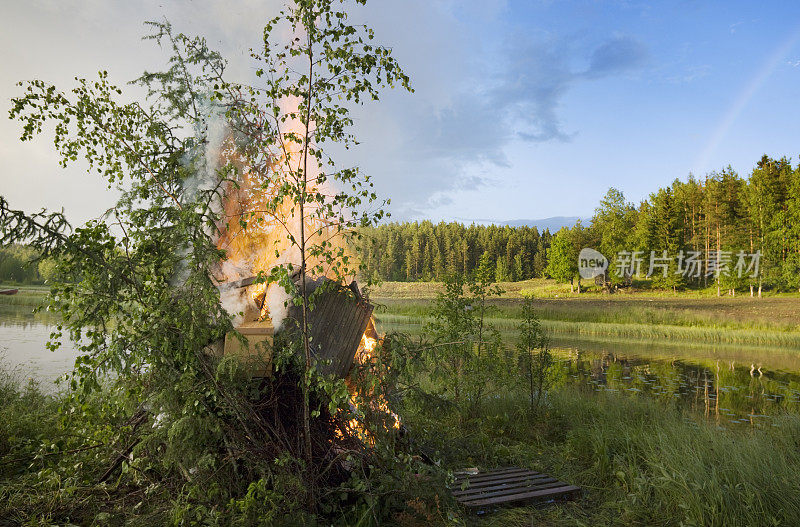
[(27, 296), (644, 463), (629, 331)]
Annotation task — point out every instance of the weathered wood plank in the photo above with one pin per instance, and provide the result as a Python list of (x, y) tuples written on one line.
[(483, 476), (337, 322), (566, 491), (508, 486), (511, 491), (465, 474), (499, 479)]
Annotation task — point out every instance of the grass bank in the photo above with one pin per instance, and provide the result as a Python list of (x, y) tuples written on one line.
[(655, 332), (549, 288), (639, 461), (685, 309), (27, 295), (641, 332), (770, 321), (769, 315)]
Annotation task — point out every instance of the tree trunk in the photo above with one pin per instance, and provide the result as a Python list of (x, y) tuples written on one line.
[(306, 341)]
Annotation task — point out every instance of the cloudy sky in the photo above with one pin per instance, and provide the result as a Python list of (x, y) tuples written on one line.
[(523, 109)]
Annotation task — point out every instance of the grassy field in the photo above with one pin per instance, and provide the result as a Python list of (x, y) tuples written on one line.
[(635, 332), (548, 288), (638, 460), (688, 317)]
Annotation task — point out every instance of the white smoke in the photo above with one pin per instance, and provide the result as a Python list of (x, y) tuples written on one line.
[(235, 301), (203, 163), (277, 299), (277, 302), (205, 160), (211, 131)]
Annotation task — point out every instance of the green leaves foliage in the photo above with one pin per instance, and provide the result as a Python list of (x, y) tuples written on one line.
[(465, 356)]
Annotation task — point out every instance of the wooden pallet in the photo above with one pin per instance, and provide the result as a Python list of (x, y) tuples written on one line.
[(511, 485)]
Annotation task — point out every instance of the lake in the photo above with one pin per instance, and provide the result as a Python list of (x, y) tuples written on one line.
[(733, 385), (23, 339)]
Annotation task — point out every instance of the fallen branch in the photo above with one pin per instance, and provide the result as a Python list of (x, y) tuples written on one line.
[(137, 419)]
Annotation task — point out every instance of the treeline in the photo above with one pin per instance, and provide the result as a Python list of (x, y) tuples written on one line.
[(425, 251), (700, 232), (19, 264), (723, 230)]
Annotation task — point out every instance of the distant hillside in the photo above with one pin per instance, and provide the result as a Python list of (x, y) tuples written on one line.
[(553, 224)]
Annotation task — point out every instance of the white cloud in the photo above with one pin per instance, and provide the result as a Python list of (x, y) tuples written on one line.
[(478, 87)]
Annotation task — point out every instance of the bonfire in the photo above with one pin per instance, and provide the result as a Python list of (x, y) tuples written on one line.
[(259, 233)]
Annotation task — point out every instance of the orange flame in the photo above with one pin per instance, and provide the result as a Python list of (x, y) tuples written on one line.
[(260, 229), (365, 356)]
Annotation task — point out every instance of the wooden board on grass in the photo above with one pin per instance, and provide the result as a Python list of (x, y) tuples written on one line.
[(509, 486)]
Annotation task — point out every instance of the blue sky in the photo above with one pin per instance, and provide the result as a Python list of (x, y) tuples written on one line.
[(677, 95), (523, 109)]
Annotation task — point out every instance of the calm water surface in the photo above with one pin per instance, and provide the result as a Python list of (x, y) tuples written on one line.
[(23, 336), (732, 385)]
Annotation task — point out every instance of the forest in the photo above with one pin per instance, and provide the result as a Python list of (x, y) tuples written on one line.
[(20, 264), (413, 251), (722, 213)]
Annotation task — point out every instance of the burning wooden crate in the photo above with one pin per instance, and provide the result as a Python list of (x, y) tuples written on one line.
[(340, 324), (257, 349)]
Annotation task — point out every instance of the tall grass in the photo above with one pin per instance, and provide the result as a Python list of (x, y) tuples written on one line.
[(549, 288), (27, 417), (639, 461), (653, 465), (630, 331), (765, 314), (748, 337)]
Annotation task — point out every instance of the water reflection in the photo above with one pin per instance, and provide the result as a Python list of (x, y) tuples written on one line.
[(23, 339), (728, 392), (731, 385)]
